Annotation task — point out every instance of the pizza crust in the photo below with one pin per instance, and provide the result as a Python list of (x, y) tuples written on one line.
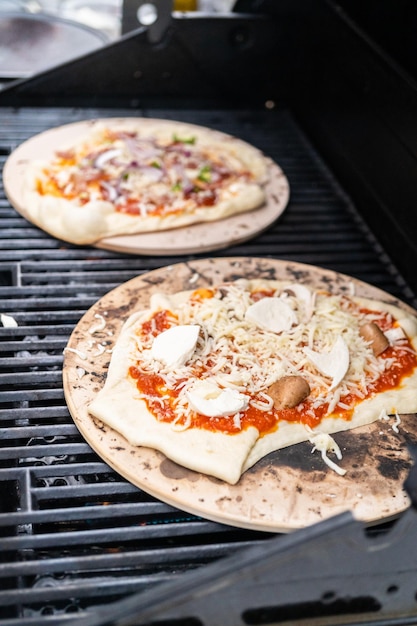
[(98, 219), (227, 456), (118, 406)]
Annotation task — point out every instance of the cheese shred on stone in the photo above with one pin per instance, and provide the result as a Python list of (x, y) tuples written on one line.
[(324, 443)]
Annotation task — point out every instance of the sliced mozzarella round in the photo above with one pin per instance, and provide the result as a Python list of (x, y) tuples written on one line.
[(175, 346), (272, 314), (333, 364), (208, 399), (306, 296)]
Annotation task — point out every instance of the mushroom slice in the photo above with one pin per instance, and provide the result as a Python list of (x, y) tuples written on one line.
[(333, 364), (271, 314), (288, 391), (372, 334)]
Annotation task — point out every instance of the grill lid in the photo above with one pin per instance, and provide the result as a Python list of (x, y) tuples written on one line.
[(32, 43)]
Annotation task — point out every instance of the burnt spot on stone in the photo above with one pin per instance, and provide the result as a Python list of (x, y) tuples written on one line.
[(302, 276), (122, 311), (297, 457), (153, 279), (215, 480), (233, 276), (392, 467), (177, 472), (99, 424)]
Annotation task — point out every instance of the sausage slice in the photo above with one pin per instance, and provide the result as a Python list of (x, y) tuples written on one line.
[(289, 391), (373, 335)]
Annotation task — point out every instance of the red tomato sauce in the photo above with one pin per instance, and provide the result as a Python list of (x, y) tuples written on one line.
[(203, 293), (131, 206), (160, 321), (258, 295), (266, 421)]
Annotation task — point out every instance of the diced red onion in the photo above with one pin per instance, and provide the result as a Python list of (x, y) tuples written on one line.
[(111, 192), (106, 156)]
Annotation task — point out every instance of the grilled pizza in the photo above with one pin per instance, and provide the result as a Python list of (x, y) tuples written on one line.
[(218, 377), (136, 176)]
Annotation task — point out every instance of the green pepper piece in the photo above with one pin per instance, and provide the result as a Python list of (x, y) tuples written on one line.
[(189, 140), (205, 174)]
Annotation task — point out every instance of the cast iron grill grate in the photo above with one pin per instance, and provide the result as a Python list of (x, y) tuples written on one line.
[(73, 534)]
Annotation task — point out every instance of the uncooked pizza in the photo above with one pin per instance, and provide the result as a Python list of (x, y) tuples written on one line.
[(218, 377), (138, 176)]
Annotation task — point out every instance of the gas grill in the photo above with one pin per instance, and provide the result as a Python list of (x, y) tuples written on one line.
[(80, 545)]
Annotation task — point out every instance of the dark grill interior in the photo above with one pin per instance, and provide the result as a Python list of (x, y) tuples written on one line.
[(74, 535)]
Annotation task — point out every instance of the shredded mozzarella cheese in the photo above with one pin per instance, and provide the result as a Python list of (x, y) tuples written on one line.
[(396, 423), (234, 352), (79, 353)]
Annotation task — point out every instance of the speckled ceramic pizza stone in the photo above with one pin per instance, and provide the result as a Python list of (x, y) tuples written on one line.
[(287, 489), (198, 238)]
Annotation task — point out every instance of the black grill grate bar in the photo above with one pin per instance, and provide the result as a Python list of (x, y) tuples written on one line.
[(53, 294), (111, 277), (53, 329), (32, 378), (17, 231), (78, 490), (102, 589), (38, 303), (40, 394), (43, 451), (30, 364), (31, 353), (22, 414), (45, 471), (65, 470), (331, 236), (16, 249), (123, 534), (68, 514), (47, 592), (50, 318), (25, 432), (94, 267), (125, 560)]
